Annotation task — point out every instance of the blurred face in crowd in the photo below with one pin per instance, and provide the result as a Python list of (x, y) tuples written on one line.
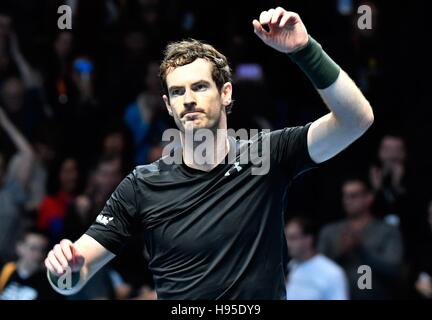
[(63, 44), (113, 143), (149, 14), (69, 175), (135, 43), (392, 150), (356, 199), (45, 152), (5, 24), (194, 99), (299, 244), (152, 77), (108, 175), (32, 249), (12, 94)]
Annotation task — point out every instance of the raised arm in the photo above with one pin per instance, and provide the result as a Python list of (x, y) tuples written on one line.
[(29, 76), (24, 149), (350, 113), (79, 261)]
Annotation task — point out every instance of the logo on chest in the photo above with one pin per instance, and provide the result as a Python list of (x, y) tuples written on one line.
[(235, 168)]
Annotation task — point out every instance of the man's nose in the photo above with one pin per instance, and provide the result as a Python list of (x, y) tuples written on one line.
[(189, 99)]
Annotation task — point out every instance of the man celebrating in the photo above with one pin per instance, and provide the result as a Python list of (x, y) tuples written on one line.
[(213, 229)]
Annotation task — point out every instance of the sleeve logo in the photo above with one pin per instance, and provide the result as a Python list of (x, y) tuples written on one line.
[(103, 219)]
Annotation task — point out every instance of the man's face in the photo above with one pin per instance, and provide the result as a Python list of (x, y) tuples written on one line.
[(5, 25), (392, 150), (12, 94), (32, 249), (63, 44), (108, 175), (114, 143), (194, 100), (68, 175), (356, 199), (298, 243)]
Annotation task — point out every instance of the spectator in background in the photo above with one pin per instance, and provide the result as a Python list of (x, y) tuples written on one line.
[(387, 177), (21, 91), (116, 143), (360, 239), (44, 154), (113, 144), (312, 276), (80, 215), (423, 283), (58, 72), (25, 279), (53, 207), (13, 188), (390, 183), (146, 118), (5, 28), (125, 70), (84, 209)]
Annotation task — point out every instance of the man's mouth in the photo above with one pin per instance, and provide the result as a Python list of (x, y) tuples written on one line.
[(191, 115)]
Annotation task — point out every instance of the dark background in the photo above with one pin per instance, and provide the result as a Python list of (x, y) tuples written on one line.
[(389, 63)]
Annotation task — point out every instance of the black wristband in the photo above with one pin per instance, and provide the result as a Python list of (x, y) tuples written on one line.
[(316, 64)]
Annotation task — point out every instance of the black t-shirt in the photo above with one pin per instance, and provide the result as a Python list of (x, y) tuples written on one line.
[(33, 287), (211, 235)]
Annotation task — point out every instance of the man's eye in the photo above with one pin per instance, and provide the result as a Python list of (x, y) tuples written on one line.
[(175, 92), (200, 87)]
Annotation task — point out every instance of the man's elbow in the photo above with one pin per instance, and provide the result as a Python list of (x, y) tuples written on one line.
[(369, 117), (366, 120)]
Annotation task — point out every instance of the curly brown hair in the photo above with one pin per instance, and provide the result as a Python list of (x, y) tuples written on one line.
[(183, 52)]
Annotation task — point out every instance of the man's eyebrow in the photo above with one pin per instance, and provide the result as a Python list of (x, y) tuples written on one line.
[(193, 84), (175, 87), (201, 82)]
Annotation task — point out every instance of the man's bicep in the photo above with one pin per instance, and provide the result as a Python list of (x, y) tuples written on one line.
[(289, 149), (327, 137), (117, 220)]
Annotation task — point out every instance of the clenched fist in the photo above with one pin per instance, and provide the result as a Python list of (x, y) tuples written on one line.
[(287, 32), (64, 255)]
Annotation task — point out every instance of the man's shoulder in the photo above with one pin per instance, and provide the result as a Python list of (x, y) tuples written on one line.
[(333, 227), (328, 266), (381, 226), (154, 168)]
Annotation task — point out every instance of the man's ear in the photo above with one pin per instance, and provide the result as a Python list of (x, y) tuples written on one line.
[(167, 104), (226, 94)]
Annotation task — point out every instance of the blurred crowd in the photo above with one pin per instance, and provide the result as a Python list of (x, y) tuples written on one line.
[(80, 108)]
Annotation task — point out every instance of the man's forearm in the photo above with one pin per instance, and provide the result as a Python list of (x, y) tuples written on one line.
[(347, 104), (350, 113)]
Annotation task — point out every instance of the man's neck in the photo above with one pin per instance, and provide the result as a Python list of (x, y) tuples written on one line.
[(24, 270), (361, 221), (307, 256), (215, 148)]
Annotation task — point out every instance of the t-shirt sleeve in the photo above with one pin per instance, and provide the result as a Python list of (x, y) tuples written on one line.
[(289, 150), (116, 222)]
